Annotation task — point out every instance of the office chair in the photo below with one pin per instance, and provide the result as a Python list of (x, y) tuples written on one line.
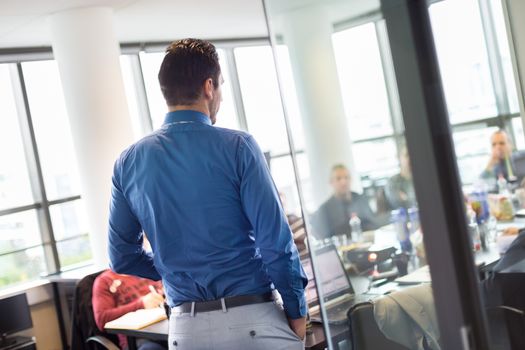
[(502, 295), (364, 332), (85, 334)]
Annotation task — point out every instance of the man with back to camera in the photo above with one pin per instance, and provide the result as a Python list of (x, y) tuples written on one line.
[(333, 216), (218, 233)]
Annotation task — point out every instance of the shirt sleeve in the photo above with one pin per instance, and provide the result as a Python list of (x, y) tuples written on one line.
[(105, 308), (126, 253), (272, 234)]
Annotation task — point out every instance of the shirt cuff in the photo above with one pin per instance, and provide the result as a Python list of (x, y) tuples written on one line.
[(295, 307)]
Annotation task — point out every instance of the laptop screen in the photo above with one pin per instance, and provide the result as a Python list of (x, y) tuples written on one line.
[(331, 272)]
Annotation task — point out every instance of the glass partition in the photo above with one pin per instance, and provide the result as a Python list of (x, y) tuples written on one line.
[(359, 201), (398, 104)]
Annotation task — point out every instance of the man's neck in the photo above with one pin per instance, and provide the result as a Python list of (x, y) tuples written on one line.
[(344, 196), (198, 107)]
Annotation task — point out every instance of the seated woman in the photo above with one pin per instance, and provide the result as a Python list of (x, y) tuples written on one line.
[(115, 295)]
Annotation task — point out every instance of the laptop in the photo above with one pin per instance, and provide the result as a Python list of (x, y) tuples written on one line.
[(339, 295)]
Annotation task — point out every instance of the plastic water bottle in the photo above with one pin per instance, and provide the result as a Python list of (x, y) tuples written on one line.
[(473, 229), (355, 225), (413, 217), (400, 220)]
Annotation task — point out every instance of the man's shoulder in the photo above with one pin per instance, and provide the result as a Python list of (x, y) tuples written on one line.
[(131, 149), (327, 204), (231, 133)]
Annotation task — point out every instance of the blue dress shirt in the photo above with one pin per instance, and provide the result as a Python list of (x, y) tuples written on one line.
[(206, 200)]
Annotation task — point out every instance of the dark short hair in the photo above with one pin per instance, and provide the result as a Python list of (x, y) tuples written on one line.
[(188, 63)]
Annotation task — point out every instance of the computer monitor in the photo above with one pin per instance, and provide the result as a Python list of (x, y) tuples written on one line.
[(14, 315), (333, 277)]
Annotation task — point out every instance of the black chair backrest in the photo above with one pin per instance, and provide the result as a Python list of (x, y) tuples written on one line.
[(503, 298), (83, 320), (364, 332)]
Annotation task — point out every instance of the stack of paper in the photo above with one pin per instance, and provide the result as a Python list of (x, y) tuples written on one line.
[(138, 319), (421, 275)]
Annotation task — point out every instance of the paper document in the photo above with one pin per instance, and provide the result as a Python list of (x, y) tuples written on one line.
[(138, 319), (421, 275)]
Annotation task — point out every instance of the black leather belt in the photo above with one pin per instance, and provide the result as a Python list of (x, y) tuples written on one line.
[(223, 303)]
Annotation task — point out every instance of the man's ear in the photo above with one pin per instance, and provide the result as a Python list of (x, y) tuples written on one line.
[(208, 88)]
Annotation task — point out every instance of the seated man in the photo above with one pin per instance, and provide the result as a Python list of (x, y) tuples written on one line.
[(333, 216), (500, 162), (115, 295), (399, 189)]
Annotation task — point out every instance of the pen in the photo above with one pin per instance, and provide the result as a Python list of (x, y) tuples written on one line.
[(152, 289)]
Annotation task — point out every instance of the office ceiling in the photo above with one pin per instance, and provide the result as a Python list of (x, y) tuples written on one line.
[(23, 22)]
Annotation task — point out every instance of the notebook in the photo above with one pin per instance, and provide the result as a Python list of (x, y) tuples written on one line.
[(138, 319), (421, 275)]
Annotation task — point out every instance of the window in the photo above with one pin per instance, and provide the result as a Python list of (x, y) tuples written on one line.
[(71, 234), (27, 233), (133, 86), (51, 125), (22, 266), (480, 93), (261, 99), (367, 103), (19, 231), (472, 156), (504, 54), (150, 63), (53, 136), (263, 107), (15, 186), (376, 159), (517, 126), (463, 60), (362, 82)]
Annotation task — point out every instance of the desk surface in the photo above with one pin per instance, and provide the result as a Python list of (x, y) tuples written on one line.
[(159, 331)]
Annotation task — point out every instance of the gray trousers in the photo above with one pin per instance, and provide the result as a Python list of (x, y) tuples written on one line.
[(256, 326)]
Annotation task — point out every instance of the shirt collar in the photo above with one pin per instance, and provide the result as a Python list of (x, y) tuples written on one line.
[(186, 116)]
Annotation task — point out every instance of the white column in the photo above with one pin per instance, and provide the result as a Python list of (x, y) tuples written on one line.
[(515, 21), (87, 52), (309, 41)]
